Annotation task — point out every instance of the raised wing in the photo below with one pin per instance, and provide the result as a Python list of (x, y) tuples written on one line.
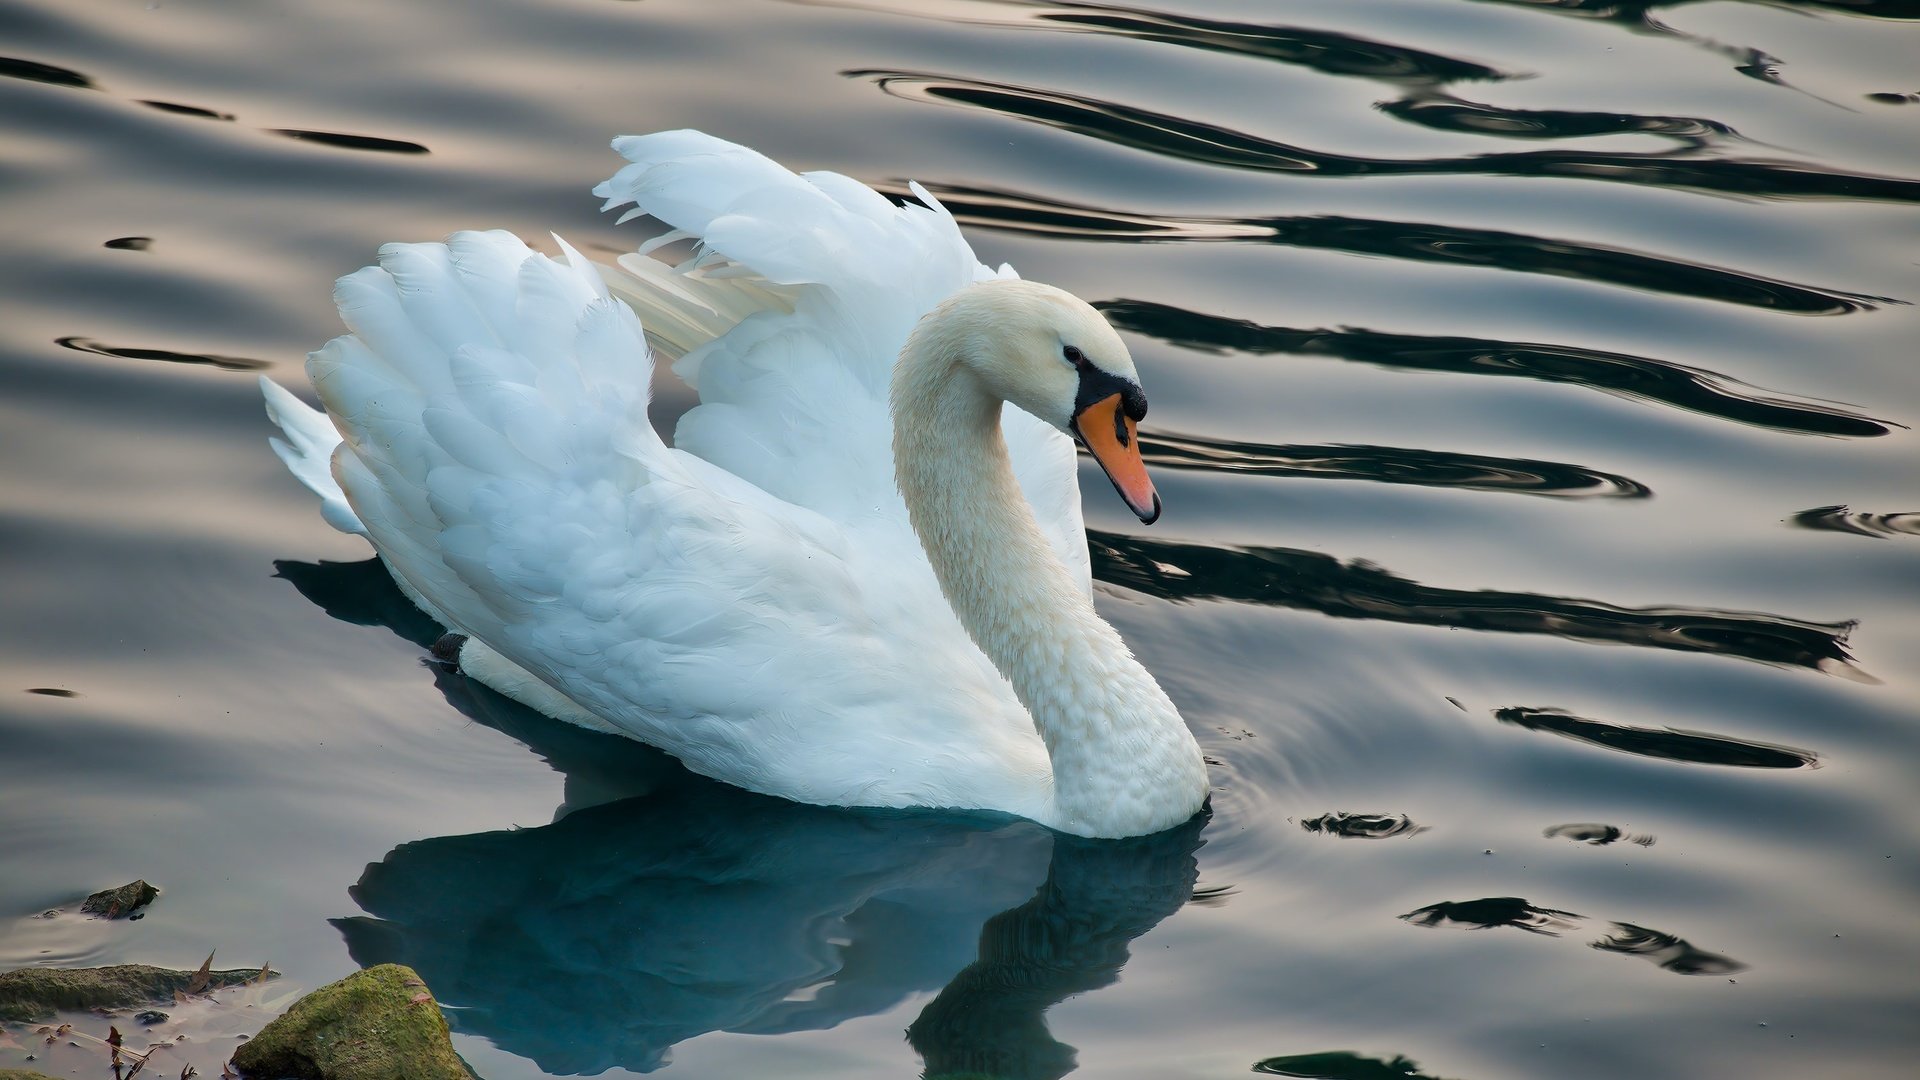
[(821, 280)]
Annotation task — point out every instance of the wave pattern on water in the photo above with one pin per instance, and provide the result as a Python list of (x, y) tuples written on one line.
[(1035, 215), (1596, 834), (168, 356), (1342, 1065), (1362, 826), (1639, 13), (1203, 143), (1669, 744), (1494, 911), (347, 141), (1479, 118), (1640, 377), (1324, 51), (1666, 951), (1669, 952), (1839, 518), (14, 67), (52, 75), (179, 109), (1388, 465), (1309, 580)]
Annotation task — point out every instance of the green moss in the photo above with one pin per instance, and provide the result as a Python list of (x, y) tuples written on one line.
[(377, 1024), (36, 993), (23, 1074)]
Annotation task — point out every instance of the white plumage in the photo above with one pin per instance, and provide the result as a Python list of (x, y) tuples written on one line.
[(754, 599)]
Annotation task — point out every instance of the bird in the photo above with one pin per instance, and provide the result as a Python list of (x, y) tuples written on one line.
[(859, 574)]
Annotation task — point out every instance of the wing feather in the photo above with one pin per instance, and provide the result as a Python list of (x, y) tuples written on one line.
[(518, 493)]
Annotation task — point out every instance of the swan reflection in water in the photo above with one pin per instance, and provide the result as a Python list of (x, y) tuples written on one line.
[(688, 906)]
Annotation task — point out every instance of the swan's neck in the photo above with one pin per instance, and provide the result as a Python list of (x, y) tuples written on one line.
[(1124, 762)]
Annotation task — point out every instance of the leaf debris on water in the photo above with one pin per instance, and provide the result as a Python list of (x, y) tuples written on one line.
[(202, 977)]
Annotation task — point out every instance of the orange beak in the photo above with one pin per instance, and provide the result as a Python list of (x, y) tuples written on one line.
[(1106, 430)]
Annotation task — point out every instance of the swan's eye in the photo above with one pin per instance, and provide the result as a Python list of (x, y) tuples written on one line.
[(1075, 357)]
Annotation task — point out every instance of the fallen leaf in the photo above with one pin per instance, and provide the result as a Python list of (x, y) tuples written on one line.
[(202, 977)]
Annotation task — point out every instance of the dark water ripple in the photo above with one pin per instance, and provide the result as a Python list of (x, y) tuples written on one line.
[(1840, 519), (1477, 118), (351, 142), (1667, 951), (1645, 378), (130, 243), (1312, 581), (187, 110), (1670, 744), (1324, 51), (1363, 826), (1494, 911), (13, 67), (35, 71), (1596, 834), (1388, 465), (169, 356), (1211, 144), (1342, 1065), (1640, 12), (1035, 215)]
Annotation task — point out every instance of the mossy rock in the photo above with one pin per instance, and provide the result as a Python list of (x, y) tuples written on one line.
[(36, 993), (377, 1024), (121, 902), (23, 1074)]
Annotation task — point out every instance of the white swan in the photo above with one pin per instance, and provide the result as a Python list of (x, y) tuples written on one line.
[(853, 581)]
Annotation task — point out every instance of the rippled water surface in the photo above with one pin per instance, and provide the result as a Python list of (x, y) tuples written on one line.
[(1534, 385)]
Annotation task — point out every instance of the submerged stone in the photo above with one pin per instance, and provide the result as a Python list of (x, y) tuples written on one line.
[(36, 993), (377, 1024), (121, 902)]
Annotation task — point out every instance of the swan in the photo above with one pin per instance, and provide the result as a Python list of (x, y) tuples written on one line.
[(859, 577)]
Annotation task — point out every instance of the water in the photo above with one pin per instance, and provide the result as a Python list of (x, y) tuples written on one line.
[(1533, 391)]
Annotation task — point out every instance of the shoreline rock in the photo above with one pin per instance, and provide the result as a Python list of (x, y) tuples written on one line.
[(377, 1024), (29, 995), (121, 902)]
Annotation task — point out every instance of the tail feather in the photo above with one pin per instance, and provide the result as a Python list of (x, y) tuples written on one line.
[(307, 449)]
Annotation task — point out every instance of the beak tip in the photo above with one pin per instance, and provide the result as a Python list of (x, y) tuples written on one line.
[(1149, 516)]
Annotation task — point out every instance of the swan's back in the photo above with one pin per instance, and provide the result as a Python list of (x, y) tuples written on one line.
[(751, 600)]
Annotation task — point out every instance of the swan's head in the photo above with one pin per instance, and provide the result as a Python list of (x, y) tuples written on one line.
[(1052, 354)]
